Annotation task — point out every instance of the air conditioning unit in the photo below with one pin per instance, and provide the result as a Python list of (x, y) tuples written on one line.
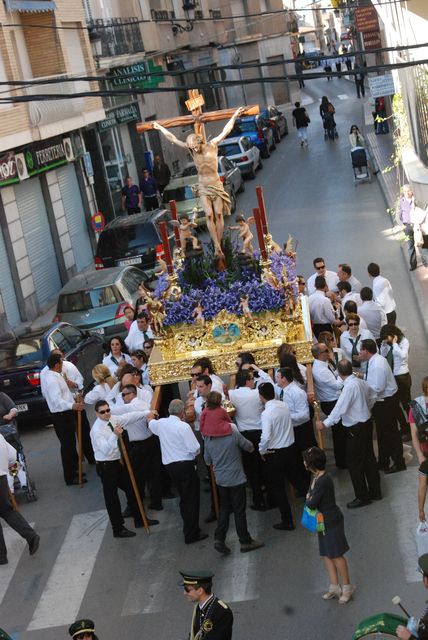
[(21, 166), (68, 148)]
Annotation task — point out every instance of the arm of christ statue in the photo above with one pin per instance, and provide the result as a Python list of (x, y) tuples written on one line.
[(229, 126), (169, 136)]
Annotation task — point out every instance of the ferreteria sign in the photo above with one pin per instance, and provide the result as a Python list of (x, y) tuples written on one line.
[(46, 155), (136, 75), (8, 171)]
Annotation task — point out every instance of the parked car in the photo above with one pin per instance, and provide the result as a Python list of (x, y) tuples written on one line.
[(257, 130), (95, 300), (180, 190), (243, 153), (22, 360), (276, 121), (131, 240), (312, 58), (227, 170)]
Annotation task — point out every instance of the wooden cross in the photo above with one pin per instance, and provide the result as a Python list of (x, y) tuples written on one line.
[(197, 118)]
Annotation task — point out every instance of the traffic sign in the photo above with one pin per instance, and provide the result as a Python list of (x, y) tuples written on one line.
[(98, 222)]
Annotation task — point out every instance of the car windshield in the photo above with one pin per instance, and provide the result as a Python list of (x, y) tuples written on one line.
[(230, 149), (179, 194), (27, 351), (118, 240), (244, 127), (89, 299), (189, 171)]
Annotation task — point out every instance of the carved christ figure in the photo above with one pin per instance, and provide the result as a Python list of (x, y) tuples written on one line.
[(214, 199)]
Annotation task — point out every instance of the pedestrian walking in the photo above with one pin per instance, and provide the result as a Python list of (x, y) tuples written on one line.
[(301, 121), (418, 419), (222, 445), (327, 112), (359, 80), (13, 518), (212, 618), (395, 348), (161, 173), (332, 543), (353, 410), (149, 190), (179, 448), (83, 629), (131, 197), (380, 378), (382, 292), (381, 121), (298, 67), (406, 217)]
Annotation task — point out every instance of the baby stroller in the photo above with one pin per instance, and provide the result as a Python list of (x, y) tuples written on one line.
[(329, 127), (360, 165), (21, 479)]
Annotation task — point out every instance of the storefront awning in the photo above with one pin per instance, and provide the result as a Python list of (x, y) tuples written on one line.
[(30, 6)]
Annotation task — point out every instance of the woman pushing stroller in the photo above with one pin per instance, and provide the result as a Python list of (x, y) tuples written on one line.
[(327, 112)]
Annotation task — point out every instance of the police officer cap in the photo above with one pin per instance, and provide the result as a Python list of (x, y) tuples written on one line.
[(196, 578), (423, 563), (82, 626)]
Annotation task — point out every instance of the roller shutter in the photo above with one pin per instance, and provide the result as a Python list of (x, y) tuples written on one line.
[(7, 289)]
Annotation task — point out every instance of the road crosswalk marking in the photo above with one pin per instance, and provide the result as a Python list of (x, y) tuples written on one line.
[(15, 546), (61, 599)]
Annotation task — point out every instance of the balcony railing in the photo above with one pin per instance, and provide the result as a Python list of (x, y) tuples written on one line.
[(162, 16), (48, 111), (118, 36), (215, 14)]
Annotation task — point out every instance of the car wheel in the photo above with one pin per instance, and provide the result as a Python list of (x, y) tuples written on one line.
[(265, 152), (276, 135), (251, 174), (273, 145), (260, 166)]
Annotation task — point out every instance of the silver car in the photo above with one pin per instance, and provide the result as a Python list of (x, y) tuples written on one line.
[(96, 300), (227, 170), (243, 153)]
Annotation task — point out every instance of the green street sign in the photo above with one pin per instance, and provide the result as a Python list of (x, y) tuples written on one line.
[(137, 75)]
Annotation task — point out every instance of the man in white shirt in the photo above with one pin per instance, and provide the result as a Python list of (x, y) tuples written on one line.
[(139, 331), (353, 409), (105, 434), (380, 378), (245, 398), (344, 273), (371, 312), (62, 406), (180, 448), (297, 401), (327, 387), (346, 293), (282, 459), (13, 518), (320, 270), (382, 292), (321, 309), (204, 367), (130, 375)]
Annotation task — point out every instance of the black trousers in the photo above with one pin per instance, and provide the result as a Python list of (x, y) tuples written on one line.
[(187, 482), (253, 466), (151, 203), (145, 459), (361, 460), (391, 317), (232, 500), (404, 384), (360, 87), (88, 451), (13, 518), (318, 328), (282, 464), (114, 476), (339, 436), (388, 436), (304, 436), (65, 429), (408, 230)]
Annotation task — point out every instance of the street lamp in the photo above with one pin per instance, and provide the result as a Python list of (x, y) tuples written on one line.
[(96, 45), (189, 12)]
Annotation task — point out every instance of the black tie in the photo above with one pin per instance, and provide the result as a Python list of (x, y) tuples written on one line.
[(281, 395), (390, 358)]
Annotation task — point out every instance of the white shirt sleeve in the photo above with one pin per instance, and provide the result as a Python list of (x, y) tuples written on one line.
[(53, 396), (106, 443), (73, 374), (97, 393), (191, 441), (266, 432)]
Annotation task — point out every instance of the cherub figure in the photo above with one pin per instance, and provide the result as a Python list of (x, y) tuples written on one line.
[(244, 299), (157, 315), (185, 227), (198, 313), (288, 247), (245, 234)]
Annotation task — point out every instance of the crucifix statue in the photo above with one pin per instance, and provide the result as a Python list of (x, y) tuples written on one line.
[(214, 199)]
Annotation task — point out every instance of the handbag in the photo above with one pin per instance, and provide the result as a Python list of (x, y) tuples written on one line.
[(313, 520), (422, 538)]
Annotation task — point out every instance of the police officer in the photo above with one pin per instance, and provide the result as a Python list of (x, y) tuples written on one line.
[(417, 628), (83, 630), (212, 618)]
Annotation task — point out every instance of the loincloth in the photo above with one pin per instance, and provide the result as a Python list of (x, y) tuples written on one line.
[(214, 191)]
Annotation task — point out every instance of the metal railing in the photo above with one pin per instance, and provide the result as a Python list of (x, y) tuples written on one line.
[(162, 16), (215, 14), (118, 36)]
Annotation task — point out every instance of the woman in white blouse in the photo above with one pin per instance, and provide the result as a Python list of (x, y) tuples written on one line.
[(140, 361), (117, 356), (105, 382), (350, 341), (395, 348)]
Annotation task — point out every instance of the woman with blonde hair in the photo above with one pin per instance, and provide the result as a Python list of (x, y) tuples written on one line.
[(105, 382)]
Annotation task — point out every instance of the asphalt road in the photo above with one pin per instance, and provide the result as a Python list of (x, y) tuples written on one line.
[(130, 586)]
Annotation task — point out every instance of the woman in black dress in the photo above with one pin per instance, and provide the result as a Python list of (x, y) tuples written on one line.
[(332, 543)]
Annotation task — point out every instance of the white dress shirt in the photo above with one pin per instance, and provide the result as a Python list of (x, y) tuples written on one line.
[(248, 408), (346, 344), (7, 456), (355, 284), (143, 393), (382, 293), (217, 384), (400, 354), (327, 385), (380, 377), (374, 316), (277, 428), (320, 308), (137, 428), (112, 365), (354, 404), (56, 392), (352, 295), (136, 338), (177, 440), (99, 392), (105, 441), (296, 400), (330, 277)]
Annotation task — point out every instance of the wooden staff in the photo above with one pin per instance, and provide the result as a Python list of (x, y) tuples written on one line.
[(311, 398), (214, 492), (79, 449), (133, 482)]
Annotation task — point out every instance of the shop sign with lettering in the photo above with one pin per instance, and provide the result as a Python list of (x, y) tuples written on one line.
[(136, 75), (46, 155), (366, 19), (8, 171), (121, 115), (372, 40)]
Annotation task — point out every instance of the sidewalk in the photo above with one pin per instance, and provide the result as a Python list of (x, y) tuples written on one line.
[(381, 147)]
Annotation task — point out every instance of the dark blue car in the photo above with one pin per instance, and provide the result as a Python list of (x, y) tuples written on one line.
[(258, 131), (21, 361)]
